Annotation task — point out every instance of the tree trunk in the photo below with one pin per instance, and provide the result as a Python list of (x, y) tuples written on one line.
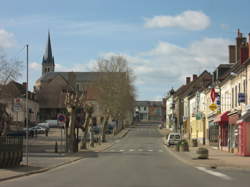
[(86, 125), (104, 127), (72, 136)]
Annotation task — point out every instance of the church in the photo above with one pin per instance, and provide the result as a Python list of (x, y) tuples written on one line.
[(51, 85)]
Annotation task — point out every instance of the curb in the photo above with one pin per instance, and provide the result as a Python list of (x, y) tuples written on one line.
[(56, 166), (191, 163), (40, 170)]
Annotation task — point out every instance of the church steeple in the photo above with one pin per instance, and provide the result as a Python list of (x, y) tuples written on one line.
[(48, 64)]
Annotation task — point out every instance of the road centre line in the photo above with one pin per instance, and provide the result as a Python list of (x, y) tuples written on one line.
[(214, 173)]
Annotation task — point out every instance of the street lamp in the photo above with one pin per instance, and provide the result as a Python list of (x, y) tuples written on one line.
[(27, 121)]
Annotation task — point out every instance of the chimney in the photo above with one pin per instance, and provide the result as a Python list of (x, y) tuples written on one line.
[(188, 80), (244, 53), (194, 77), (232, 53)]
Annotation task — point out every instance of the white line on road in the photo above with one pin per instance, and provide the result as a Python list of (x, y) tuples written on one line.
[(121, 150), (160, 150), (215, 173), (150, 150), (131, 150)]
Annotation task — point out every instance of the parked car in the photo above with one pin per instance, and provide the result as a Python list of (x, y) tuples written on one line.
[(109, 129), (39, 130), (173, 139), (44, 125), (52, 123), (96, 129)]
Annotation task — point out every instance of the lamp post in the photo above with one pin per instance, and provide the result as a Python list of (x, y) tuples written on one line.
[(27, 121)]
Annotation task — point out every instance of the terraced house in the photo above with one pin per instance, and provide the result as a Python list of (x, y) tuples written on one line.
[(214, 109)]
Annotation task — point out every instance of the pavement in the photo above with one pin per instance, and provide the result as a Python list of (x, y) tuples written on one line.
[(217, 158), (42, 157), (137, 160)]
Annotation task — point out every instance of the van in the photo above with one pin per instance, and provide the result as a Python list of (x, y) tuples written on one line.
[(52, 123), (173, 138)]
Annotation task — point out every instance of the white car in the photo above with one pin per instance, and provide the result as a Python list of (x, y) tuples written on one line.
[(173, 138)]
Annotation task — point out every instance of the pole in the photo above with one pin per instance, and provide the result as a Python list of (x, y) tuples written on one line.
[(27, 121)]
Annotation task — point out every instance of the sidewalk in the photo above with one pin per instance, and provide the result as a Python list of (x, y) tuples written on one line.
[(41, 162), (217, 158)]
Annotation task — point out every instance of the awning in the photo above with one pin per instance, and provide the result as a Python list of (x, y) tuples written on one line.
[(232, 119), (245, 117), (223, 117)]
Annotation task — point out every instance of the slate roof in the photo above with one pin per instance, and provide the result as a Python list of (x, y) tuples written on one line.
[(80, 76)]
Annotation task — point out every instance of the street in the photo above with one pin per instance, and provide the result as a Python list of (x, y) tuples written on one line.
[(137, 160)]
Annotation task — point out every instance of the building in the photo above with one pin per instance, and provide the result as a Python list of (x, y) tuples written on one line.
[(148, 111), (52, 86), (14, 97)]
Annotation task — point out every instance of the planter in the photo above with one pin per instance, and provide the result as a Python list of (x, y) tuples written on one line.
[(202, 153), (184, 148), (194, 143)]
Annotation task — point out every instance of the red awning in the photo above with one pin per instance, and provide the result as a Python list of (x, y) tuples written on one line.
[(221, 118)]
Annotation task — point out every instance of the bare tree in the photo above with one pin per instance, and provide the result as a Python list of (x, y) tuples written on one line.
[(116, 93), (9, 70)]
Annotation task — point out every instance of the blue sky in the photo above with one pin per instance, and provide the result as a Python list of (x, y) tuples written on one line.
[(164, 41)]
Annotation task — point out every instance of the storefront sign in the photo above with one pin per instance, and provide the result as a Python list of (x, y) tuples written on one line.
[(213, 107), (241, 97)]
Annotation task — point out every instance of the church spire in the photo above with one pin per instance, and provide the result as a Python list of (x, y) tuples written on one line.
[(48, 59)]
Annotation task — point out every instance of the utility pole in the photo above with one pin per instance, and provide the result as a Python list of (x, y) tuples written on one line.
[(27, 121)]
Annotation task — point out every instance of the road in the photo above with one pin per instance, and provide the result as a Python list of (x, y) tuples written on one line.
[(138, 160)]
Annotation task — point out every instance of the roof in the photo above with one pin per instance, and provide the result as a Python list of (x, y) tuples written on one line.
[(148, 103), (80, 76)]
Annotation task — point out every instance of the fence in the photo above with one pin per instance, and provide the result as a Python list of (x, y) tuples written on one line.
[(11, 151)]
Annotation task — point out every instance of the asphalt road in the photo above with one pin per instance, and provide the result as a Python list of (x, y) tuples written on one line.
[(138, 160)]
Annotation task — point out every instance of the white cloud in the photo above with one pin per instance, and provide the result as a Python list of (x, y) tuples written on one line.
[(189, 20), (6, 39), (35, 66), (167, 65)]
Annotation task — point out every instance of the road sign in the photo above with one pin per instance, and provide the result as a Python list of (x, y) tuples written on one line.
[(61, 118), (213, 94), (17, 107), (213, 107)]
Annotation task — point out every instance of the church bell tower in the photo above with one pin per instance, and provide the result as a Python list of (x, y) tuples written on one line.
[(48, 64)]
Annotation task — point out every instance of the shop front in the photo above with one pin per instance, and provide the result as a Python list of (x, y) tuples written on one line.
[(222, 121), (244, 134), (233, 141), (213, 131)]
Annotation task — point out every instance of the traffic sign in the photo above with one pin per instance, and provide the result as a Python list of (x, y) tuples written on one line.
[(213, 107), (213, 94), (61, 118)]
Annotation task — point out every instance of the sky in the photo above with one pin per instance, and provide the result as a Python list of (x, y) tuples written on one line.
[(164, 41)]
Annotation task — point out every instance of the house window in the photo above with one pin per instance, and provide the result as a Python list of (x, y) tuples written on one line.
[(232, 97), (145, 108), (236, 93)]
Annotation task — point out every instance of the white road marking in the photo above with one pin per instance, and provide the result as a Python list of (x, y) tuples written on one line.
[(160, 150), (112, 150), (215, 173), (131, 150), (121, 150), (150, 150)]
